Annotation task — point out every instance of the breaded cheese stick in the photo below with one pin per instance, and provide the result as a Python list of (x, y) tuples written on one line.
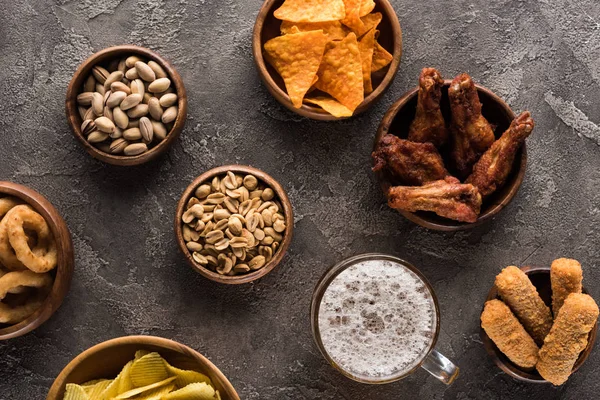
[(522, 297), (566, 277), (568, 338), (508, 334)]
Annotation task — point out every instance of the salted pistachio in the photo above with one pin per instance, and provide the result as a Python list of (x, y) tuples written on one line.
[(138, 111), (138, 87), (170, 114), (87, 127), (97, 103), (158, 70), (133, 123), (135, 149), (122, 66), (104, 124), (167, 100), (202, 191), (120, 117), (131, 60), (146, 129), (132, 74), (131, 101), (118, 145), (100, 73), (159, 85), (100, 89), (144, 71), (193, 246), (159, 129), (257, 263), (132, 134), (154, 108), (89, 114), (97, 137), (85, 98), (90, 84), (116, 133), (114, 76), (120, 87), (82, 111), (115, 99)]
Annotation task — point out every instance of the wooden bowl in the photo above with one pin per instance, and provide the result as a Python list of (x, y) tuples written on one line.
[(76, 85), (540, 277), (267, 27), (287, 235), (397, 121), (107, 359), (62, 273)]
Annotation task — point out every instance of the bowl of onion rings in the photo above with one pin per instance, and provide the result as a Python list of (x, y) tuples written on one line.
[(36, 260)]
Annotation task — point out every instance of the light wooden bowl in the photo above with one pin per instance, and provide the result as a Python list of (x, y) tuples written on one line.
[(107, 359), (267, 27), (104, 56), (64, 270), (287, 235), (540, 277), (397, 121)]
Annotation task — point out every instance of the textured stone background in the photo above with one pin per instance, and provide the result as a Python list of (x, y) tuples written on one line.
[(540, 55)]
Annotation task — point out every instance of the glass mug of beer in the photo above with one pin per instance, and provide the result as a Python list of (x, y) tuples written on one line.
[(375, 318)]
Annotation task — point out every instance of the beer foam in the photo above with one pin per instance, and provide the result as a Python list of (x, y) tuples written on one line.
[(377, 320)]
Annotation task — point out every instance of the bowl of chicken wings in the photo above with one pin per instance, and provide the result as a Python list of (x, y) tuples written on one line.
[(450, 154)]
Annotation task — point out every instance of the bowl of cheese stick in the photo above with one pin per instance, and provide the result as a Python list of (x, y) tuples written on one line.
[(538, 323)]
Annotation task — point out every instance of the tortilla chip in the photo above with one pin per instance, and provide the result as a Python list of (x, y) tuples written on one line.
[(297, 57), (370, 21), (366, 46), (333, 29), (366, 7), (381, 58), (352, 19), (340, 73), (330, 105), (310, 10)]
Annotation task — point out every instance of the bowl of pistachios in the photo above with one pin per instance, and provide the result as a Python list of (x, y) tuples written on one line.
[(126, 105), (234, 224)]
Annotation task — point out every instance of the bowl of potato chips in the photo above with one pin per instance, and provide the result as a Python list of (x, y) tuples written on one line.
[(327, 59), (141, 367)]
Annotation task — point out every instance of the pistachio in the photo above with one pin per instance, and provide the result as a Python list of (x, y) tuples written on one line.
[(132, 134), (104, 124), (115, 99), (116, 133), (82, 111), (89, 114), (115, 76), (117, 146), (120, 87), (144, 71), (120, 117), (168, 100), (97, 103), (160, 131), (146, 129), (137, 86), (97, 137), (133, 123), (87, 127), (158, 70), (90, 84), (135, 149), (159, 85), (170, 114), (122, 66), (131, 60), (131, 101), (138, 111), (100, 73), (100, 89), (107, 112), (132, 74), (154, 108)]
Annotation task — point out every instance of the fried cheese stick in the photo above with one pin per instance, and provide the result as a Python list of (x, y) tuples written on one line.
[(566, 277), (522, 297), (508, 334), (568, 338)]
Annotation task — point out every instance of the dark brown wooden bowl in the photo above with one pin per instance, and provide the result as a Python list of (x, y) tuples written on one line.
[(397, 121), (287, 235), (540, 277), (107, 359), (62, 273), (84, 71), (267, 27)]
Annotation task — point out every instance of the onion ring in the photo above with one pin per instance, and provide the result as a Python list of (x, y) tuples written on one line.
[(15, 290), (18, 279), (43, 257), (6, 203), (8, 258)]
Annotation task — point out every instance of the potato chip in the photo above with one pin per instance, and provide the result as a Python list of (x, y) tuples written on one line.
[(148, 369), (134, 392), (340, 73), (381, 58), (185, 377), (310, 10), (156, 394), (352, 18), (366, 47), (296, 57), (370, 21), (333, 29), (95, 389), (194, 391), (141, 353), (75, 392), (120, 384), (332, 106), (366, 7)]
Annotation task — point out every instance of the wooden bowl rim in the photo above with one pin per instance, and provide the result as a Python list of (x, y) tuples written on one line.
[(66, 260), (140, 340), (74, 89), (287, 237), (517, 373), (314, 112), (450, 225)]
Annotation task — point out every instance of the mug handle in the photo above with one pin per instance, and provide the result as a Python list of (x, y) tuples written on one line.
[(439, 366)]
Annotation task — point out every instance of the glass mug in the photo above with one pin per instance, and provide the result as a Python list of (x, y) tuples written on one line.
[(345, 312)]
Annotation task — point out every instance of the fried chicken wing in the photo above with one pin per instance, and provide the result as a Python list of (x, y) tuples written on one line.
[(568, 338), (407, 162), (522, 297), (447, 198), (471, 132), (507, 333), (492, 169), (429, 124)]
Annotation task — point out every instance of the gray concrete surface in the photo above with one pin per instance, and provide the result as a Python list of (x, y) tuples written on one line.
[(541, 55)]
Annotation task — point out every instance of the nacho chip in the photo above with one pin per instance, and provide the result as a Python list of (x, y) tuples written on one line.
[(366, 46), (370, 21), (310, 10), (333, 29), (332, 106), (381, 58), (296, 57), (352, 19), (366, 7), (340, 73)]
